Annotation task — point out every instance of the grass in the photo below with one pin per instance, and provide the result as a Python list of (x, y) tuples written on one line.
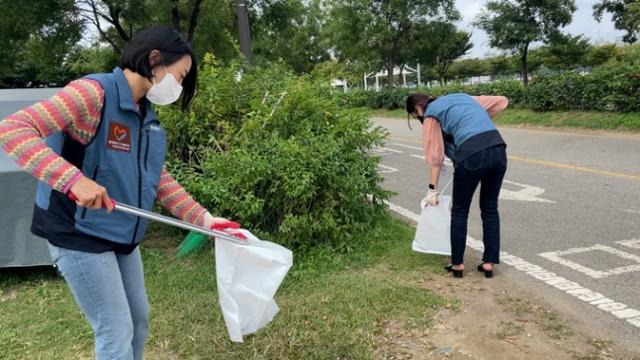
[(333, 306), (558, 119)]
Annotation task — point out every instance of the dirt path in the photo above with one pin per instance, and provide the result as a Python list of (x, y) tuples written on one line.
[(495, 319)]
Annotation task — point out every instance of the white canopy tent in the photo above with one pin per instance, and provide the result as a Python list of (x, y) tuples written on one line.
[(340, 83), (396, 72)]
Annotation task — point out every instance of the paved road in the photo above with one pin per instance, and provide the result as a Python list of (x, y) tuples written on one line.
[(570, 218)]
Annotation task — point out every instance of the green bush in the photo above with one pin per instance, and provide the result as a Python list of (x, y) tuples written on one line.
[(610, 88), (279, 154), (354, 98), (396, 98)]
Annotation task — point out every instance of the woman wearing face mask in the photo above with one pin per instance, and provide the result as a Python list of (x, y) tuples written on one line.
[(100, 138), (460, 126)]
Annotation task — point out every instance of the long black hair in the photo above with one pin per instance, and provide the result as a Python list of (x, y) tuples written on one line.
[(172, 47)]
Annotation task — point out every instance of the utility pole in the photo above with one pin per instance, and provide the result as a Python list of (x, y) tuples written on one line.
[(243, 29)]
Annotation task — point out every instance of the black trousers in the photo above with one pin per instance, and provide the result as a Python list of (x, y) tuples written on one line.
[(487, 168)]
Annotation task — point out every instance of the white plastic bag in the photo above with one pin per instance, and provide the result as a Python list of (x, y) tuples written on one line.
[(248, 277), (432, 234)]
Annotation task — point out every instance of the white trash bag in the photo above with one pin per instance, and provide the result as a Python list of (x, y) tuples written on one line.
[(248, 277), (432, 234)]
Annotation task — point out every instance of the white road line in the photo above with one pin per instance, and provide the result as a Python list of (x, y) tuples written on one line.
[(407, 146), (633, 243), (557, 257), (598, 300), (388, 149), (528, 193), (387, 169)]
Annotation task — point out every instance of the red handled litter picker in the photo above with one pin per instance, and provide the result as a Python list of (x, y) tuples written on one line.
[(227, 232)]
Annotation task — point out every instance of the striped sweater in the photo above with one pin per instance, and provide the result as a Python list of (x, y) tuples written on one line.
[(76, 111)]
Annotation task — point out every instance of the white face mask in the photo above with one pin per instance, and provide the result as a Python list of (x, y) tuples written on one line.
[(166, 91)]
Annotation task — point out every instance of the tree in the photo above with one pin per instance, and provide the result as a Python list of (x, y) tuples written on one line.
[(566, 52), (98, 57), (289, 31), (117, 20), (501, 65), (423, 44), (375, 32), (535, 60), (35, 37), (625, 14), (457, 45), (467, 68), (216, 30), (515, 24), (436, 44), (598, 55)]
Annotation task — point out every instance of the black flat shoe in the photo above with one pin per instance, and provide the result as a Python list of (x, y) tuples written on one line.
[(456, 273), (487, 273)]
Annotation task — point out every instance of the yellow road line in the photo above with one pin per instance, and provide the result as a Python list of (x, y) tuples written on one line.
[(574, 167), (550, 163)]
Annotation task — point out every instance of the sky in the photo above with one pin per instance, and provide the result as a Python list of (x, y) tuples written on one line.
[(583, 23)]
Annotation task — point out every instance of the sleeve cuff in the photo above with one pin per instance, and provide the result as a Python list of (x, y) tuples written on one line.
[(200, 219), (72, 181)]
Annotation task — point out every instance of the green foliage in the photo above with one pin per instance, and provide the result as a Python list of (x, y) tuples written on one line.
[(390, 99), (297, 26), (35, 37), (514, 24), (381, 33), (566, 52), (470, 67), (87, 60), (598, 55), (610, 87), (455, 46), (278, 154), (607, 89)]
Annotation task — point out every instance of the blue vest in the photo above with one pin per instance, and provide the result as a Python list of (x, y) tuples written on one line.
[(460, 117), (126, 156)]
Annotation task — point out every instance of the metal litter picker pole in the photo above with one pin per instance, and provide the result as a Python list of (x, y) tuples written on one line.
[(169, 221)]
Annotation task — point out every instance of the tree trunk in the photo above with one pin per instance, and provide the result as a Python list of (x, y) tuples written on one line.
[(439, 70), (194, 20), (96, 21), (114, 19), (390, 66), (391, 63), (525, 66), (175, 16)]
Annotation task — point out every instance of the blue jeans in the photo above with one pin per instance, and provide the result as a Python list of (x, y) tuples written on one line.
[(487, 168), (109, 288)]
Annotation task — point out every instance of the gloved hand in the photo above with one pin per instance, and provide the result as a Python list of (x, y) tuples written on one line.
[(222, 224), (430, 199), (211, 222)]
